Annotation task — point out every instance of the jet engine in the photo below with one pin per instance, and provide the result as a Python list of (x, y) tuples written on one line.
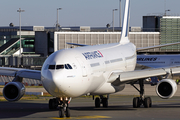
[(13, 91), (166, 88)]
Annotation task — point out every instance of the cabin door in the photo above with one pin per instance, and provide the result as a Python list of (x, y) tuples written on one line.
[(83, 67)]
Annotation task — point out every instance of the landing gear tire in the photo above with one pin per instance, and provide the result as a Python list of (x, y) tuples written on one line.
[(150, 102), (67, 112), (52, 104), (61, 112), (105, 102), (97, 102), (147, 102), (136, 102)]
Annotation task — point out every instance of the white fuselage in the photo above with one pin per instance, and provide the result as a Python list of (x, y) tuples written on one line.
[(91, 67), (157, 61)]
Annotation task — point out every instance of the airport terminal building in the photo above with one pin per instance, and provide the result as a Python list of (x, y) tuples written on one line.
[(38, 42)]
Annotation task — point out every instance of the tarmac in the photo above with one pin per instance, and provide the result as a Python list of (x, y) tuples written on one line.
[(120, 107), (82, 108)]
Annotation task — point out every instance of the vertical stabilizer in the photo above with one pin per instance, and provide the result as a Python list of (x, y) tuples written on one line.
[(125, 28)]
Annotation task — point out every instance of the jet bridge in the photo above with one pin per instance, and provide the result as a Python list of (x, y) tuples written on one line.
[(13, 45), (10, 47)]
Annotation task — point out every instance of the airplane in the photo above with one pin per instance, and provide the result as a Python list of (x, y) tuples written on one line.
[(92, 70), (156, 61)]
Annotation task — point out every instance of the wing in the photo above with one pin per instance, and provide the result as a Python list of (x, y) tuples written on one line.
[(157, 46), (24, 73), (126, 77), (76, 44)]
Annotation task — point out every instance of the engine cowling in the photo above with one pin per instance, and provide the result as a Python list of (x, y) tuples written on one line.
[(13, 91), (166, 88)]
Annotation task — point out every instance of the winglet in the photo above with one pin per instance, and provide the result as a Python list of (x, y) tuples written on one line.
[(125, 28)]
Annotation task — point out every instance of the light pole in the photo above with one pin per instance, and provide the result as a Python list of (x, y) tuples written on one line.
[(113, 18), (166, 11), (20, 28), (119, 13), (57, 24)]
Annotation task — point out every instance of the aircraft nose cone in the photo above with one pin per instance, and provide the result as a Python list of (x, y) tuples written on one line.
[(52, 81)]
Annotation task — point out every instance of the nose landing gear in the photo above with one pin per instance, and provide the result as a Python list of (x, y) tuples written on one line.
[(64, 107), (64, 110), (62, 104)]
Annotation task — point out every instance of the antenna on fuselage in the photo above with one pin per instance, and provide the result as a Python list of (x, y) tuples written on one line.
[(125, 28)]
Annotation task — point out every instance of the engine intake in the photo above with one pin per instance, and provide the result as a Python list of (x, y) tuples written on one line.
[(13, 91), (166, 88)]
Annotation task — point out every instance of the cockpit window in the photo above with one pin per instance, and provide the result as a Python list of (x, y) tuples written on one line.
[(59, 66), (66, 66), (51, 67), (69, 66)]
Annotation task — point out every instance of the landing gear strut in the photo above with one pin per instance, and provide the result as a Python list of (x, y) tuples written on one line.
[(62, 104), (138, 101), (102, 100)]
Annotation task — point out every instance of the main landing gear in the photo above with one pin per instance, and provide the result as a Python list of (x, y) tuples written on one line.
[(62, 104), (138, 101), (101, 100)]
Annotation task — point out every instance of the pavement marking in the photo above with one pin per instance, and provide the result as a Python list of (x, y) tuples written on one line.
[(83, 117)]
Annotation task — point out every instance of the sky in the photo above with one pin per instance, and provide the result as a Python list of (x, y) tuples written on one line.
[(94, 13)]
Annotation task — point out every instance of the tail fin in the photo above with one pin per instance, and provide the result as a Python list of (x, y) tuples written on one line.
[(125, 28)]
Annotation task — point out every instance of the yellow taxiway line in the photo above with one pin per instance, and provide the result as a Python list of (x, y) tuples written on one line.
[(82, 117)]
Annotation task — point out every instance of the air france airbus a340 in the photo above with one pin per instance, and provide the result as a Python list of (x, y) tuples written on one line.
[(92, 70)]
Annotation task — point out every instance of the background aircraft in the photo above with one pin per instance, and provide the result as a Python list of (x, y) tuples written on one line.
[(92, 70), (157, 61)]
